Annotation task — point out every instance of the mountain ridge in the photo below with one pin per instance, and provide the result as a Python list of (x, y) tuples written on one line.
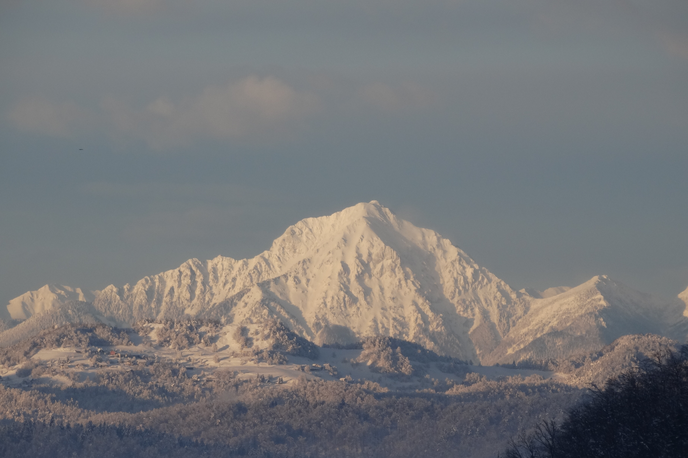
[(586, 317), (363, 271)]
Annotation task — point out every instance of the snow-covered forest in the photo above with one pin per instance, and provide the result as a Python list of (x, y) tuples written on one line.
[(192, 388)]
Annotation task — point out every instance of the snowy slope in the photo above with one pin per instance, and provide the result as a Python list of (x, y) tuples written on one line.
[(584, 319), (549, 292), (622, 354), (58, 315)]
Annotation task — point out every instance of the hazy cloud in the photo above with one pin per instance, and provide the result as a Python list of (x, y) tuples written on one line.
[(41, 116), (675, 44), (186, 211), (127, 6), (250, 109), (181, 192), (396, 98), (190, 224), (253, 108)]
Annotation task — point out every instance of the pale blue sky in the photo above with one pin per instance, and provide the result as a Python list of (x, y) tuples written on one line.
[(547, 139)]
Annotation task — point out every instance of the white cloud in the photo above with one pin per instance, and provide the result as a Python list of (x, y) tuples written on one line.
[(254, 108), (41, 116)]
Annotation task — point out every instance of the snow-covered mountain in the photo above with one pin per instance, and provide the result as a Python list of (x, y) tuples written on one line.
[(45, 298), (679, 328), (363, 271), (584, 319), (684, 298), (358, 272)]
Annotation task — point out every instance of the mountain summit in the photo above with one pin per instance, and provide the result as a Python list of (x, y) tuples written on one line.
[(362, 272)]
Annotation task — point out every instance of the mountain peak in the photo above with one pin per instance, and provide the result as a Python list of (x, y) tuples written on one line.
[(374, 209), (601, 280), (44, 298), (362, 210), (604, 283), (308, 233)]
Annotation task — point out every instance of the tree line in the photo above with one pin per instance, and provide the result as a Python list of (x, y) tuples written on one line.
[(641, 413)]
